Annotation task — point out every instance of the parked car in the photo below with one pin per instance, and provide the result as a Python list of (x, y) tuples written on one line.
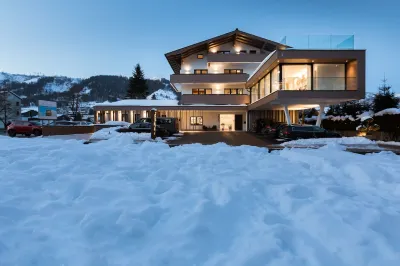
[(145, 127), (306, 132), (272, 129), (24, 128), (169, 123)]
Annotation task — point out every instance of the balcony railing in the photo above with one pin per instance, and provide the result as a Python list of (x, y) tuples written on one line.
[(223, 99), (330, 42), (308, 84), (209, 78)]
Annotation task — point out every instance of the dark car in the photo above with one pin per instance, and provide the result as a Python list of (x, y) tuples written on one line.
[(168, 123), (273, 130), (145, 127), (306, 132), (24, 128)]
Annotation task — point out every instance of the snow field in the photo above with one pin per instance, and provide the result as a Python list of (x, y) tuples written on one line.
[(111, 203)]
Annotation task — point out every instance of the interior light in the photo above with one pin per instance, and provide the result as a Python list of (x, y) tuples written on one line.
[(278, 61), (347, 61), (312, 61), (213, 50), (336, 65)]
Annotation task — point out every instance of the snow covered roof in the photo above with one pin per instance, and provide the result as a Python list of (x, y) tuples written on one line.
[(29, 108), (140, 102)]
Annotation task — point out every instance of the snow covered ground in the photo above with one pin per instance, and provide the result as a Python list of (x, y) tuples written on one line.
[(110, 203), (323, 141)]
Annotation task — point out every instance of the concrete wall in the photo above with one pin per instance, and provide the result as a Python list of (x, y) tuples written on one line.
[(66, 130)]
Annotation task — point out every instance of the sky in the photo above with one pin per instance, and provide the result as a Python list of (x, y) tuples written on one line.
[(82, 38)]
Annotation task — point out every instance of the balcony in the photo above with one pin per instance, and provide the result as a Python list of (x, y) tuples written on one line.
[(236, 58), (209, 78), (234, 99)]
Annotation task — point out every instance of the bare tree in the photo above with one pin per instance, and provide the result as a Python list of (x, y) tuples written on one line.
[(6, 108), (75, 99)]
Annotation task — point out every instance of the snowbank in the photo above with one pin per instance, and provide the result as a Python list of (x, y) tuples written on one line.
[(392, 143), (140, 102), (389, 111), (323, 141), (117, 123), (115, 136), (340, 118), (65, 203)]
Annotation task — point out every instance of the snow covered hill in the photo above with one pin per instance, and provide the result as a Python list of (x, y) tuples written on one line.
[(96, 88), (163, 94)]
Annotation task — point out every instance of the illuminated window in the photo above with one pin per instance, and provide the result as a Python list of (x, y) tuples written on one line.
[(233, 71), (223, 52), (200, 56), (233, 91), (296, 77), (196, 120), (200, 71), (201, 91)]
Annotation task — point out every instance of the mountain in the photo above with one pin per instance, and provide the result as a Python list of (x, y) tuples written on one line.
[(59, 88)]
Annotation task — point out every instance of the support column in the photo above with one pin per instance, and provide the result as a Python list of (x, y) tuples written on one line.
[(321, 111), (287, 115)]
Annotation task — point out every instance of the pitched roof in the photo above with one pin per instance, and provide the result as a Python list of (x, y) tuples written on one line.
[(175, 57)]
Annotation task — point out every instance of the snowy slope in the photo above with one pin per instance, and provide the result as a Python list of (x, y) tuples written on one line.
[(163, 94), (116, 203)]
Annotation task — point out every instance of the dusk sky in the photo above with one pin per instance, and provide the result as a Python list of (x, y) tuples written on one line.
[(82, 38)]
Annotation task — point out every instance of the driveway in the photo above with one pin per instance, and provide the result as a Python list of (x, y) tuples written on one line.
[(230, 138)]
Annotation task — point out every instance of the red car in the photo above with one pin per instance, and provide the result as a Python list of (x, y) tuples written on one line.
[(24, 127)]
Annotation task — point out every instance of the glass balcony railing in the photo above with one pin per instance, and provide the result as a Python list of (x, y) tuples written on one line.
[(308, 84), (327, 42)]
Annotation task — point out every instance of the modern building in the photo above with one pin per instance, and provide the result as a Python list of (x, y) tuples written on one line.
[(233, 79), (10, 107)]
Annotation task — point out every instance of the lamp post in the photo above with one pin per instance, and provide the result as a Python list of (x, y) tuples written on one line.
[(153, 115)]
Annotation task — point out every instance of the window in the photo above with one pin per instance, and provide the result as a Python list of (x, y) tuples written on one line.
[(275, 79), (233, 91), (17, 103), (296, 77), (200, 71), (268, 84), (243, 51), (262, 88), (201, 91), (233, 71), (137, 117), (17, 112), (223, 52), (252, 52), (196, 120), (200, 56), (329, 77)]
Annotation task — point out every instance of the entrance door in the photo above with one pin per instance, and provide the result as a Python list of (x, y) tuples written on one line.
[(238, 122)]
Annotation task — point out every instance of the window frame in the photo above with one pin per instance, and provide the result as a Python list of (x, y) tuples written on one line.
[(233, 71), (205, 90), (200, 70), (232, 90), (196, 121)]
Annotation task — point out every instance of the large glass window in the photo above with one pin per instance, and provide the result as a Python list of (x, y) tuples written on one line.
[(275, 79), (262, 88), (255, 91), (329, 77), (268, 84), (296, 77)]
